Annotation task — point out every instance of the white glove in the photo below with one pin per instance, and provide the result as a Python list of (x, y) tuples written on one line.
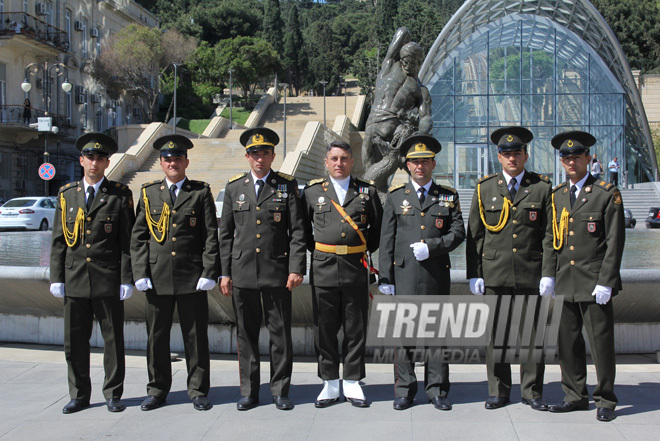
[(420, 250), (125, 292), (143, 284), (57, 289), (477, 286), (388, 290), (602, 294), (205, 284), (547, 286)]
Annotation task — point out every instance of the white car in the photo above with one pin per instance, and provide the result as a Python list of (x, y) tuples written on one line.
[(30, 213)]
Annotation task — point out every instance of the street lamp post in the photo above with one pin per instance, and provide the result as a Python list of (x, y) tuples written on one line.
[(175, 84), (284, 86), (231, 102), (324, 83), (343, 84)]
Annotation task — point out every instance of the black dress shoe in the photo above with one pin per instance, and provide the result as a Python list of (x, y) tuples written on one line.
[(247, 403), (200, 402), (282, 403), (320, 404), (357, 402), (440, 403), (75, 405), (605, 414), (536, 403), (496, 402), (565, 406), (115, 405), (152, 402), (402, 403)]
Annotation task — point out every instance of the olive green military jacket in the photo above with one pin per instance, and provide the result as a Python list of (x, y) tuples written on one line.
[(325, 225), (593, 243), (439, 224), (520, 253), (189, 246), (262, 241), (99, 260)]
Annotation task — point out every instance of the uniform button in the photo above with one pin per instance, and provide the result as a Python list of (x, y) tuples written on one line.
[(174, 253), (515, 236), (88, 245), (258, 250), (514, 208), (89, 259), (422, 240), (258, 222), (515, 250), (591, 218), (173, 225), (258, 236), (343, 221), (286, 254), (515, 222), (572, 247), (395, 263), (174, 239), (572, 262), (423, 227), (343, 234), (88, 232), (173, 211), (89, 219), (571, 220), (423, 214), (258, 208), (571, 233)]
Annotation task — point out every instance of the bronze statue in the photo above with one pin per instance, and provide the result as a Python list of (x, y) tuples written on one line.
[(401, 108)]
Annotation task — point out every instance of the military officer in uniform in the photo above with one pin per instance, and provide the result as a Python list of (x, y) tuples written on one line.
[(589, 236), (262, 241), (422, 223), (509, 253), (176, 261), (343, 216), (90, 267)]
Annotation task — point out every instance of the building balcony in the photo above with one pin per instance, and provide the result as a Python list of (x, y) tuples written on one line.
[(12, 119), (22, 25)]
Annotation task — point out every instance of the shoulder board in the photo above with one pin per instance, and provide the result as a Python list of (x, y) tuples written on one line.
[(237, 177), (444, 187), (363, 181), (315, 181), (604, 185), (285, 176), (559, 186), (69, 185), (157, 181), (395, 187), (118, 185), (541, 177), (200, 183), (487, 177)]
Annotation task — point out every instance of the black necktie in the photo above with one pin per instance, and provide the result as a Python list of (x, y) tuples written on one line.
[(422, 196), (173, 193), (260, 186), (573, 195), (512, 188), (90, 197)]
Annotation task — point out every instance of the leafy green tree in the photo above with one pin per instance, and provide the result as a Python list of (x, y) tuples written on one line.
[(273, 25), (293, 54), (221, 20)]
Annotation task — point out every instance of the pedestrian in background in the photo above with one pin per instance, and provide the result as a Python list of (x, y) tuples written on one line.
[(596, 167)]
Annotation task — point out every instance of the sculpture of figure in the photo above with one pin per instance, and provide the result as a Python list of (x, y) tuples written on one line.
[(401, 108)]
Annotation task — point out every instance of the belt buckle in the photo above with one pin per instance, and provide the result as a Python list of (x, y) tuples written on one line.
[(341, 249)]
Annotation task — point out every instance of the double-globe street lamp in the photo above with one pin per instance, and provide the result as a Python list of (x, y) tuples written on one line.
[(324, 82)]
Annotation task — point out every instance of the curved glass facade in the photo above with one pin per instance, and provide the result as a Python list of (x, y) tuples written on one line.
[(529, 70)]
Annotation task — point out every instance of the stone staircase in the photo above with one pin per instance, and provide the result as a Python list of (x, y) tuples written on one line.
[(639, 200)]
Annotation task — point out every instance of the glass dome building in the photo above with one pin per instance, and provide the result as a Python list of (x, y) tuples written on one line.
[(550, 66)]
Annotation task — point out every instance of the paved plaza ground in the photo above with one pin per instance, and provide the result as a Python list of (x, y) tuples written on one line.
[(33, 390)]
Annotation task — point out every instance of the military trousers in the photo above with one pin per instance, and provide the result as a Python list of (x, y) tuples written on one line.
[(79, 314), (274, 305), (340, 308), (598, 321), (193, 311), (531, 372)]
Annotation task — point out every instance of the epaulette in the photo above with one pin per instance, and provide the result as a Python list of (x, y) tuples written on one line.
[(285, 176), (487, 177), (607, 186), (444, 187), (200, 183), (146, 184), (558, 187), (119, 185), (395, 187), (363, 181), (543, 178), (69, 185), (237, 177), (315, 181)]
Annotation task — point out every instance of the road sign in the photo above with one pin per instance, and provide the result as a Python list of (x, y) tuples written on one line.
[(44, 124), (46, 171)]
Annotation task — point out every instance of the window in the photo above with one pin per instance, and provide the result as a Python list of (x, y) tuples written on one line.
[(85, 121), (26, 6), (50, 17), (83, 36), (98, 46), (3, 84), (67, 26)]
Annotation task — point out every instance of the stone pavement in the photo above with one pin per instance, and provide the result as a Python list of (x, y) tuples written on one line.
[(33, 390)]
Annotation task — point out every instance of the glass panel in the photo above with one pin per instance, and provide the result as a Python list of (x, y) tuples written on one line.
[(572, 109), (538, 110), (471, 111), (606, 109)]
